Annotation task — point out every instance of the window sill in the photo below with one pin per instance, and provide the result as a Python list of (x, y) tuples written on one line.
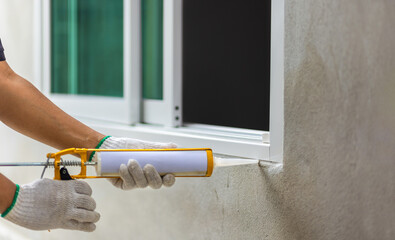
[(238, 142)]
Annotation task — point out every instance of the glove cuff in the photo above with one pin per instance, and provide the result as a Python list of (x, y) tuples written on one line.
[(5, 213), (21, 213), (113, 143), (98, 146)]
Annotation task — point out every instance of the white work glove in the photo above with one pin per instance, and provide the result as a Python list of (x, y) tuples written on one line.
[(132, 175), (49, 204)]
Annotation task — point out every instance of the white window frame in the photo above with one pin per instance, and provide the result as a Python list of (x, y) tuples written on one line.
[(276, 122), (167, 112), (124, 109), (165, 115)]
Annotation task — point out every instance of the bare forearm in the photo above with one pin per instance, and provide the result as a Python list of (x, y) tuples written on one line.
[(26, 110), (7, 192)]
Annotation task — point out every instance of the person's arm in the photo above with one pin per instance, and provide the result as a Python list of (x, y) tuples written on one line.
[(7, 193), (33, 115), (28, 111)]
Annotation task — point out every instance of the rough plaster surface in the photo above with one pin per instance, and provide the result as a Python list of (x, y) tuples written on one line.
[(340, 119), (338, 179)]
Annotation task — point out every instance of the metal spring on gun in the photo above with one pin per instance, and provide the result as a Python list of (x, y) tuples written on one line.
[(70, 163), (66, 163), (62, 163)]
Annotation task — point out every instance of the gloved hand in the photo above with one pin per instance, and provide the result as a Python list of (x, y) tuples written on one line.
[(49, 204), (132, 175)]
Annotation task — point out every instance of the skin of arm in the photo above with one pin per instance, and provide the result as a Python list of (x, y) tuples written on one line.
[(26, 110), (7, 192)]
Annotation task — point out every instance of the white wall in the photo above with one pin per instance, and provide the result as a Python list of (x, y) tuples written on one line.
[(16, 33)]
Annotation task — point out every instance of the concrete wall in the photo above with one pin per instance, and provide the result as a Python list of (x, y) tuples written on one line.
[(340, 119), (338, 178)]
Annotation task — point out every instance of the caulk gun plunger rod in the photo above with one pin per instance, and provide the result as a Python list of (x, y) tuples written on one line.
[(22, 164), (39, 164)]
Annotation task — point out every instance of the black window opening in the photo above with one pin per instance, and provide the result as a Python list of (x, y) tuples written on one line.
[(226, 63)]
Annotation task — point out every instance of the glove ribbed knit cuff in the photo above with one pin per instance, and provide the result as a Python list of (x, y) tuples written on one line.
[(98, 146), (19, 209), (5, 213), (113, 143)]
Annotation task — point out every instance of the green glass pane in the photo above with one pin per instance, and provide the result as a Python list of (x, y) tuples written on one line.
[(60, 47), (87, 47), (152, 48)]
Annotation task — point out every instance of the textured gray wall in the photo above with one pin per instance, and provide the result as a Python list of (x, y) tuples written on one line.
[(338, 179)]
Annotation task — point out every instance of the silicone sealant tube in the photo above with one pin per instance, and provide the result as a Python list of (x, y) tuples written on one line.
[(180, 162)]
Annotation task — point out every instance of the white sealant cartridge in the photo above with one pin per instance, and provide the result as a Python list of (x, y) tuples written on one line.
[(183, 162)]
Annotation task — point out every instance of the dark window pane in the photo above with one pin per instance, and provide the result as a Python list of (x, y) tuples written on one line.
[(226, 62)]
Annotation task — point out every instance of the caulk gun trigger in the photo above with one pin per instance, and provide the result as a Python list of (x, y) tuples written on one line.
[(64, 174)]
